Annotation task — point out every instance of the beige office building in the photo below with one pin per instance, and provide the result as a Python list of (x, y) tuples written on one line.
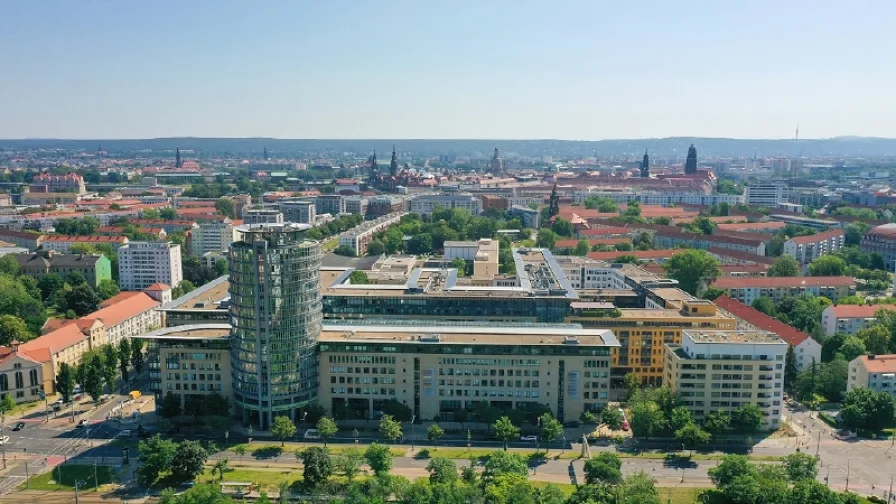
[(440, 369), (724, 370)]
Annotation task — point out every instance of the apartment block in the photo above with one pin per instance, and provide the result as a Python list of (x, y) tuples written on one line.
[(725, 370), (262, 216), (300, 211), (849, 319), (24, 239), (94, 267), (212, 236), (767, 193), (333, 204), (806, 249), (141, 264), (356, 205), (881, 239), (426, 204), (63, 243), (440, 369), (747, 290), (359, 237), (877, 372)]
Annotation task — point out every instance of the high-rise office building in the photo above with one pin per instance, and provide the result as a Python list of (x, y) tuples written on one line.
[(275, 311)]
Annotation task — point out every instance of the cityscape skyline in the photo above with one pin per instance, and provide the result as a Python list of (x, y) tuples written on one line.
[(500, 71)]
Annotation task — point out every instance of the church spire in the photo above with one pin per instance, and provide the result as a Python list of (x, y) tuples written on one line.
[(374, 167), (265, 155), (690, 166), (554, 202), (177, 161), (645, 166), (393, 165)]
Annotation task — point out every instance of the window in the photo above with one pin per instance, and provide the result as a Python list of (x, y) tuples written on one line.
[(32, 376), (20, 381), (4, 382)]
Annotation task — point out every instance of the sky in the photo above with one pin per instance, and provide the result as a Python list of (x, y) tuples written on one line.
[(495, 69)]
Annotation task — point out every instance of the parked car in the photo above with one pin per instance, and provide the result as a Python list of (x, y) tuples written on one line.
[(312, 434), (83, 423), (530, 437), (625, 425), (19, 426), (125, 433)]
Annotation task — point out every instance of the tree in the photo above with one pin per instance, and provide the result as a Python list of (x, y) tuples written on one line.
[(791, 371), (13, 328), (189, 461), (170, 406), (124, 356), (546, 238), (349, 462), (716, 422), (800, 466), (376, 248), (639, 488), (827, 265), (784, 266), (82, 299), (282, 428), (581, 248), (505, 431), (613, 418), (680, 418), (318, 466), (16, 300), (110, 366), (852, 347), (646, 419), (7, 404), (876, 339), (692, 268), (156, 456), (632, 385), (442, 471), (712, 293), (107, 288), (327, 428), (765, 305), (692, 436), (358, 277), (434, 433), (864, 408), (398, 410), (604, 468), (729, 469), (219, 467), (9, 265), (137, 355), (345, 250), (503, 463), (420, 244), (747, 419), (65, 382), (49, 285), (93, 377), (549, 428), (562, 227), (224, 206), (378, 458), (390, 429)]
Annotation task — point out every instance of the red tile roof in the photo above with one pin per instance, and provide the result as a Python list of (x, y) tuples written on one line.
[(760, 320), (157, 287), (55, 341), (752, 226), (640, 254), (797, 281), (818, 237), (742, 256), (879, 363), (7, 354), (856, 311), (561, 244), (605, 231), (122, 309), (86, 239)]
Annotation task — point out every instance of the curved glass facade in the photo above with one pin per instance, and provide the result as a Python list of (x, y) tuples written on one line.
[(275, 311)]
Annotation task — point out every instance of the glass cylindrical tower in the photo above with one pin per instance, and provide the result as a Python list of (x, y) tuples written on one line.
[(275, 311)]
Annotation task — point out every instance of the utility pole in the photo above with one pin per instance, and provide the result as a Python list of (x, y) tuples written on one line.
[(77, 499), (27, 476), (847, 475), (818, 444), (890, 493)]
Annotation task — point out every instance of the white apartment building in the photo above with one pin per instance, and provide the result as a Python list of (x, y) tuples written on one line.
[(877, 372), (806, 249), (301, 211), (849, 319), (262, 216), (725, 370), (590, 274), (661, 198), (141, 264), (360, 236), (333, 204), (212, 236), (426, 204), (767, 193)]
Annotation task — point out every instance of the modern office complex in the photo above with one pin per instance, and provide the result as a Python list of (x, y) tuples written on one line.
[(333, 204), (275, 312), (141, 264), (300, 211), (724, 370), (439, 369), (262, 216), (212, 236)]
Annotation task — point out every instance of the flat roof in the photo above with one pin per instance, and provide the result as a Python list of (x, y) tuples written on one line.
[(734, 337), (468, 335), (190, 332), (204, 298)]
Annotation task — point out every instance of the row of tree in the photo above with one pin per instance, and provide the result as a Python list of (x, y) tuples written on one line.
[(100, 369)]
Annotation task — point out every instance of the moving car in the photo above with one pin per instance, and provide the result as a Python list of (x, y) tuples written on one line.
[(4, 440), (529, 438), (19, 426), (83, 423)]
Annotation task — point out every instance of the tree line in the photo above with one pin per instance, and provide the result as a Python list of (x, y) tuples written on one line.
[(100, 369)]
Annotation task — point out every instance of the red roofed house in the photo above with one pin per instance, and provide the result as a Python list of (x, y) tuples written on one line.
[(748, 290), (23, 374), (805, 348), (876, 372), (849, 319), (642, 255), (805, 249), (64, 243)]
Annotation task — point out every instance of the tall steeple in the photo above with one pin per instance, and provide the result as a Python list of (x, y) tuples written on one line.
[(690, 166), (497, 164), (374, 167), (645, 166), (393, 165), (554, 202), (177, 162), (265, 155)]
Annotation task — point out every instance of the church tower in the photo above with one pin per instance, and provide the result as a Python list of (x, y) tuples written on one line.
[(393, 165), (497, 163), (265, 155), (554, 202), (177, 161), (690, 166), (374, 167), (645, 166)]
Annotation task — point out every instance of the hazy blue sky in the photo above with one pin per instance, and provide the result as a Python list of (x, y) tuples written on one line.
[(589, 69)]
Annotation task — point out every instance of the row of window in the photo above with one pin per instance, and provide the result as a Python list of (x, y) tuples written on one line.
[(19, 380), (363, 390), (202, 387), (366, 370), (366, 380), (534, 394), (193, 376)]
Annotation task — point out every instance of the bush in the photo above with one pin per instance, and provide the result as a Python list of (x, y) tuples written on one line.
[(827, 418)]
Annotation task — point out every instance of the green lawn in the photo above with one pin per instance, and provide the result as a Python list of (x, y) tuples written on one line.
[(466, 453), (263, 450), (269, 478), (52, 481)]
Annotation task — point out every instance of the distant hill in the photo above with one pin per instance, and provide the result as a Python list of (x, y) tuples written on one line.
[(660, 147)]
